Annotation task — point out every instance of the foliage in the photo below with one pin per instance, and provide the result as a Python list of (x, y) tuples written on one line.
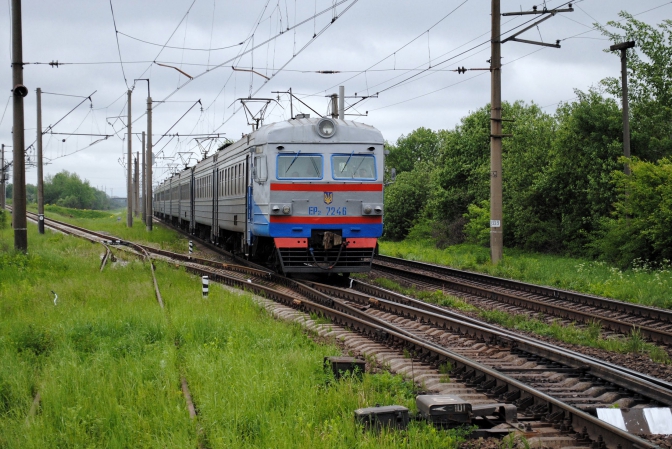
[(422, 145), (561, 173), (68, 190), (477, 229), (4, 219), (640, 227), (405, 200)]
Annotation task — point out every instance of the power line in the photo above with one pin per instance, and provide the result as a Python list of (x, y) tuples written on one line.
[(181, 48), (257, 46), (116, 36), (400, 48)]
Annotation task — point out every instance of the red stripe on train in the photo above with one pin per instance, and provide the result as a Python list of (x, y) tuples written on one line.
[(354, 242), (327, 187), (327, 220)]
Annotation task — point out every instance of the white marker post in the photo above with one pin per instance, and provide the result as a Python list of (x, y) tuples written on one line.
[(191, 247), (206, 283)]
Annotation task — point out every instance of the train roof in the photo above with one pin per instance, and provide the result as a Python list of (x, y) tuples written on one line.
[(304, 131)]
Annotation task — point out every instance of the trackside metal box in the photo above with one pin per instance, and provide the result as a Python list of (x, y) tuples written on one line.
[(341, 365), (391, 416), (444, 409)]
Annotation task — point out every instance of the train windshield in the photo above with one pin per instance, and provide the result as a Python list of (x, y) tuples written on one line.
[(299, 166), (353, 166)]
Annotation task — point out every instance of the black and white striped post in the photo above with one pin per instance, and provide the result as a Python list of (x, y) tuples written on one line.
[(206, 283), (191, 247)]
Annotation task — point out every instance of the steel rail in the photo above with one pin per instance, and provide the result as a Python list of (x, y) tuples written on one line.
[(654, 389), (612, 305), (616, 325)]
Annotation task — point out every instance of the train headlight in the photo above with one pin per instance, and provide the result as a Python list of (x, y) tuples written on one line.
[(286, 210), (379, 210), (367, 209), (326, 127), (276, 209)]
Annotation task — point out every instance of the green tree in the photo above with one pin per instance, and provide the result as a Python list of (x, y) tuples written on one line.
[(640, 226), (528, 209), (576, 185), (421, 145), (405, 200), (68, 190)]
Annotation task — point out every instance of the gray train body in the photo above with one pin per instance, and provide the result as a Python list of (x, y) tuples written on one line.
[(303, 195)]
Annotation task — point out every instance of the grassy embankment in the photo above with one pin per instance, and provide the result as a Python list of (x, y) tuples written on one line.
[(114, 223), (642, 285), (105, 362)]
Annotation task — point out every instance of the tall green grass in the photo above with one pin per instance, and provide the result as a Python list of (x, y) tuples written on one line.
[(114, 223), (107, 362), (643, 284)]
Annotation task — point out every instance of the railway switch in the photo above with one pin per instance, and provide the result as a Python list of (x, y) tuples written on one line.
[(451, 410), (391, 416)]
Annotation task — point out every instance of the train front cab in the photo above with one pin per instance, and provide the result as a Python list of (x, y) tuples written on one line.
[(325, 199)]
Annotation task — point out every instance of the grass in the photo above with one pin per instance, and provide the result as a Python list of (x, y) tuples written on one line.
[(435, 297), (590, 336), (114, 223), (642, 284), (107, 361)]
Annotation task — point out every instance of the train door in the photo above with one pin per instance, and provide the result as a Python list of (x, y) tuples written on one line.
[(214, 232), (248, 205), (192, 205)]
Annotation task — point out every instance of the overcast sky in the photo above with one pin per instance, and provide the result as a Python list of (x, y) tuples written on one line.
[(205, 38)]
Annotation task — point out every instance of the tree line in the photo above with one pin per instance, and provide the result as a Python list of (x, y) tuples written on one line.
[(564, 186), (68, 190)]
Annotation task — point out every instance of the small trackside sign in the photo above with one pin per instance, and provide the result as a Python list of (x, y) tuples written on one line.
[(495, 223)]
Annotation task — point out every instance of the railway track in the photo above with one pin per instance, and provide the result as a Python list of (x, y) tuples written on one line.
[(621, 317), (556, 392)]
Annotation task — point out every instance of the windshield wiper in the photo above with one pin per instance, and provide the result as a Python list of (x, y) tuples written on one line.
[(293, 160), (346, 162)]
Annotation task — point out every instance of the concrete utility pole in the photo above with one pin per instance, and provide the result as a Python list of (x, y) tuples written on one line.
[(143, 184), (623, 47), (40, 174), (129, 179), (3, 179), (19, 144), (496, 228), (136, 180), (150, 160), (341, 102)]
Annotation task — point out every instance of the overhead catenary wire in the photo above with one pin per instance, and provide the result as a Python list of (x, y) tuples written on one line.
[(181, 48), (510, 62), (116, 36), (270, 39)]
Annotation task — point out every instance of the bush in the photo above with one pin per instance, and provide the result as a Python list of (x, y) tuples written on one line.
[(3, 219), (477, 228)]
